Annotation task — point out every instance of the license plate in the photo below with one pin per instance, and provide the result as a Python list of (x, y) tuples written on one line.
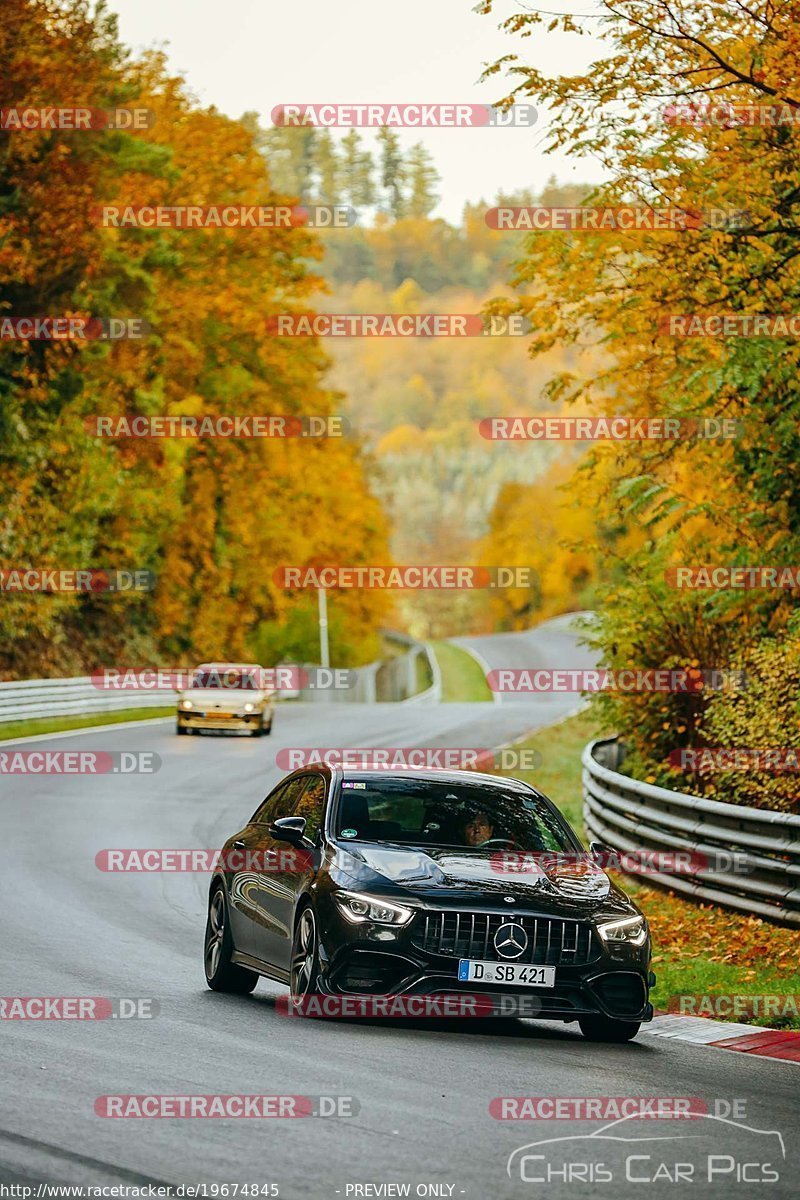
[(518, 974), (218, 714)]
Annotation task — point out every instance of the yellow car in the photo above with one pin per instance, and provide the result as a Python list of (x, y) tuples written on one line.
[(227, 696)]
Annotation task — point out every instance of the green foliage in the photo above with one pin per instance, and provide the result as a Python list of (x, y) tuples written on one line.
[(211, 518), (763, 715), (690, 501)]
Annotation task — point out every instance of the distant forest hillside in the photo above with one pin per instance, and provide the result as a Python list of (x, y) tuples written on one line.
[(416, 403)]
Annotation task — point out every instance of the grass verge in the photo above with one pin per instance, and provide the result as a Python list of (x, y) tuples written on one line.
[(699, 950), (462, 677), (15, 729)]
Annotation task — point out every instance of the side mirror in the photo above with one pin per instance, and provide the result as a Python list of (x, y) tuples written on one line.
[(604, 855), (289, 829)]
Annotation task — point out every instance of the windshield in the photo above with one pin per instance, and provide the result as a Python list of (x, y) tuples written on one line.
[(425, 812), (225, 677)]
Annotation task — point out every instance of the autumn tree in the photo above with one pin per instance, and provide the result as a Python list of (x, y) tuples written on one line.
[(327, 167), (423, 179), (643, 111), (358, 186), (212, 518), (393, 172)]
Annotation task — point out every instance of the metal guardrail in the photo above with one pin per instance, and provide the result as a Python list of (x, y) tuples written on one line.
[(26, 699), (433, 694), (631, 816)]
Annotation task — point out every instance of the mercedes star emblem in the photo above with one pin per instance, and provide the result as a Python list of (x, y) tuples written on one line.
[(510, 940)]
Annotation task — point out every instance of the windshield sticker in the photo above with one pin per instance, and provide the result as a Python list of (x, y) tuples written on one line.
[(349, 833)]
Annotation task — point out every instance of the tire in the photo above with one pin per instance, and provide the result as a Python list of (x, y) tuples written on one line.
[(221, 974), (181, 729), (304, 963), (259, 729), (606, 1029), (268, 728)]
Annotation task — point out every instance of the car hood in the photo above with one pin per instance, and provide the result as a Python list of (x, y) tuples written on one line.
[(453, 876)]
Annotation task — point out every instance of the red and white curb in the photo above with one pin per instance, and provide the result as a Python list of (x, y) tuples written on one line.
[(728, 1035)]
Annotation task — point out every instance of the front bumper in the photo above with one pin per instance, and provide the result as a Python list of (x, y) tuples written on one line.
[(392, 960), (202, 720)]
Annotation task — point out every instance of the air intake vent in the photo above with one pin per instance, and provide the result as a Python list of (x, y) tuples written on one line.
[(622, 993)]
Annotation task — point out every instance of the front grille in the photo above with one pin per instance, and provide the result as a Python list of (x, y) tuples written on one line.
[(551, 940)]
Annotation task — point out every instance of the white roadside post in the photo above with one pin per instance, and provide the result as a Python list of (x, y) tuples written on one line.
[(324, 652)]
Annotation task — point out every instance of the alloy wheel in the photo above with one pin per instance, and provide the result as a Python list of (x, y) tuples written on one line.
[(216, 932), (304, 954)]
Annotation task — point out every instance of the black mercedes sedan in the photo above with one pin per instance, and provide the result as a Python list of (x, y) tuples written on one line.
[(351, 882)]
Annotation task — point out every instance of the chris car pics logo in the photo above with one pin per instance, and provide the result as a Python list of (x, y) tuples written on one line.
[(709, 1149)]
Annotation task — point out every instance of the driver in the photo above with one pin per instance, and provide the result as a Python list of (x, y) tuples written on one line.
[(478, 830)]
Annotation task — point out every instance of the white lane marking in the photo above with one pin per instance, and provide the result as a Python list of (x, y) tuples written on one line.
[(477, 657)]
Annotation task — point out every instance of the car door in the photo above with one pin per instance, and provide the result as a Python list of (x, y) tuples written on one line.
[(245, 856), (270, 893), (297, 865), (240, 877)]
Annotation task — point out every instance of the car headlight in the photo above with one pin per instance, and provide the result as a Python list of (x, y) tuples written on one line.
[(631, 930), (358, 908), (186, 704), (249, 707)]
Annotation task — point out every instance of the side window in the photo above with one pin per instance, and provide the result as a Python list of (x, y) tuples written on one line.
[(310, 804), (279, 803)]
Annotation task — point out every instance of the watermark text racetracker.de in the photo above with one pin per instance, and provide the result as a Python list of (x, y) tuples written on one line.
[(670, 680), (726, 1006), (78, 1008), (397, 325), (609, 428), (23, 118), (727, 115), (224, 216), (737, 578), (71, 329), (629, 862), (398, 578), (448, 1006), (256, 679), (405, 114), (625, 218), (157, 860), (706, 760), (79, 762), (224, 1106), (724, 325), (611, 1108), (75, 579), (393, 758), (227, 425)]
